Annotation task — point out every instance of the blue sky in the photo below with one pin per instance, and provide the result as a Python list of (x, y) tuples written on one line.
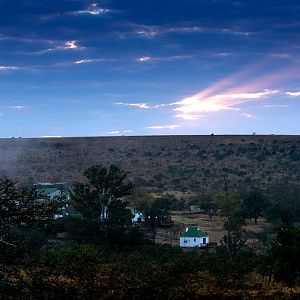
[(141, 67)]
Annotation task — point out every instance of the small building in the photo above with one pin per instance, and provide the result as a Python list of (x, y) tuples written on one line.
[(138, 217), (194, 237)]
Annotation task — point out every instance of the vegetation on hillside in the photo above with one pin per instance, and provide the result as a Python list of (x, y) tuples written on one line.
[(173, 163), (100, 255)]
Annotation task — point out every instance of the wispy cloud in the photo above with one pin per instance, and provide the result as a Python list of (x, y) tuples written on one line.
[(293, 94), (84, 61), (7, 68), (163, 58), (114, 132), (275, 106), (189, 116), (18, 107), (247, 115), (58, 46), (139, 105), (71, 45), (125, 131), (171, 127), (144, 58), (190, 107), (93, 10), (152, 31)]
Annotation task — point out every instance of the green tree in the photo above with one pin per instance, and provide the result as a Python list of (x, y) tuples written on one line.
[(155, 214), (207, 203), (99, 201), (229, 203), (140, 199), (109, 184), (284, 252), (284, 209), (23, 209), (254, 204)]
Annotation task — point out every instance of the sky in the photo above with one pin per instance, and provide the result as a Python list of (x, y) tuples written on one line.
[(141, 67)]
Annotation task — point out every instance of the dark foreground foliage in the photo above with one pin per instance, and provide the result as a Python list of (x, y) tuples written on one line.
[(92, 257)]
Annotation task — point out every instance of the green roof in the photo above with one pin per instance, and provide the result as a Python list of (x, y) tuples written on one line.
[(48, 191), (194, 232)]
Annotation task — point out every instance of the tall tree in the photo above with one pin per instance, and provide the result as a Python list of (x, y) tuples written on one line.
[(207, 203), (284, 253), (155, 214), (109, 183), (254, 204), (23, 208), (99, 200), (284, 208)]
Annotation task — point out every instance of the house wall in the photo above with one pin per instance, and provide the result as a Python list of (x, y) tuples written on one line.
[(193, 242), (138, 217)]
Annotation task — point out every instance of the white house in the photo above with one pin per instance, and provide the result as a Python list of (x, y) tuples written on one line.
[(194, 237), (138, 217)]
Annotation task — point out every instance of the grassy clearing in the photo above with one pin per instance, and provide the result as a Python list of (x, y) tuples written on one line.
[(189, 221)]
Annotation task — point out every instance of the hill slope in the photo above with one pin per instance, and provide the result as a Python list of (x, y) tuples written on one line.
[(194, 163)]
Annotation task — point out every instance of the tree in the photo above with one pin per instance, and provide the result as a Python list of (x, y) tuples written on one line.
[(284, 252), (284, 209), (140, 199), (119, 219), (254, 204), (23, 209), (155, 214), (229, 203), (99, 200), (109, 184), (208, 204)]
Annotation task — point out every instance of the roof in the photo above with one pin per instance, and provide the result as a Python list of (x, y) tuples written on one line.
[(194, 232), (48, 191)]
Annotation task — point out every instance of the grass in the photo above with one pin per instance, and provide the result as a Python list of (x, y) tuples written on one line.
[(181, 219)]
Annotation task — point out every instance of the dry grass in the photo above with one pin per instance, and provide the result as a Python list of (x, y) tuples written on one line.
[(174, 163)]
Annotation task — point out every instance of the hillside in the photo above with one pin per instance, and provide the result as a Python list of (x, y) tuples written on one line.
[(174, 163)]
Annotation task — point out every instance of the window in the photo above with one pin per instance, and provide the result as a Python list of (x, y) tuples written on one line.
[(204, 240), (194, 240)]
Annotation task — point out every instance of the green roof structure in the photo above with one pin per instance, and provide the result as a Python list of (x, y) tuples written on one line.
[(193, 232), (48, 191)]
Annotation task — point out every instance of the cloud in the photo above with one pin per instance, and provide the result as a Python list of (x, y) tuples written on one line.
[(152, 31), (188, 116), (126, 131), (164, 58), (51, 136), (293, 94), (71, 45), (163, 127), (247, 115), (93, 10), (7, 68), (144, 58), (84, 61), (58, 46), (275, 106), (140, 105), (197, 104), (19, 107)]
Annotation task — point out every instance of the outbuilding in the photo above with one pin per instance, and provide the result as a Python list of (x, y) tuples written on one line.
[(194, 237)]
